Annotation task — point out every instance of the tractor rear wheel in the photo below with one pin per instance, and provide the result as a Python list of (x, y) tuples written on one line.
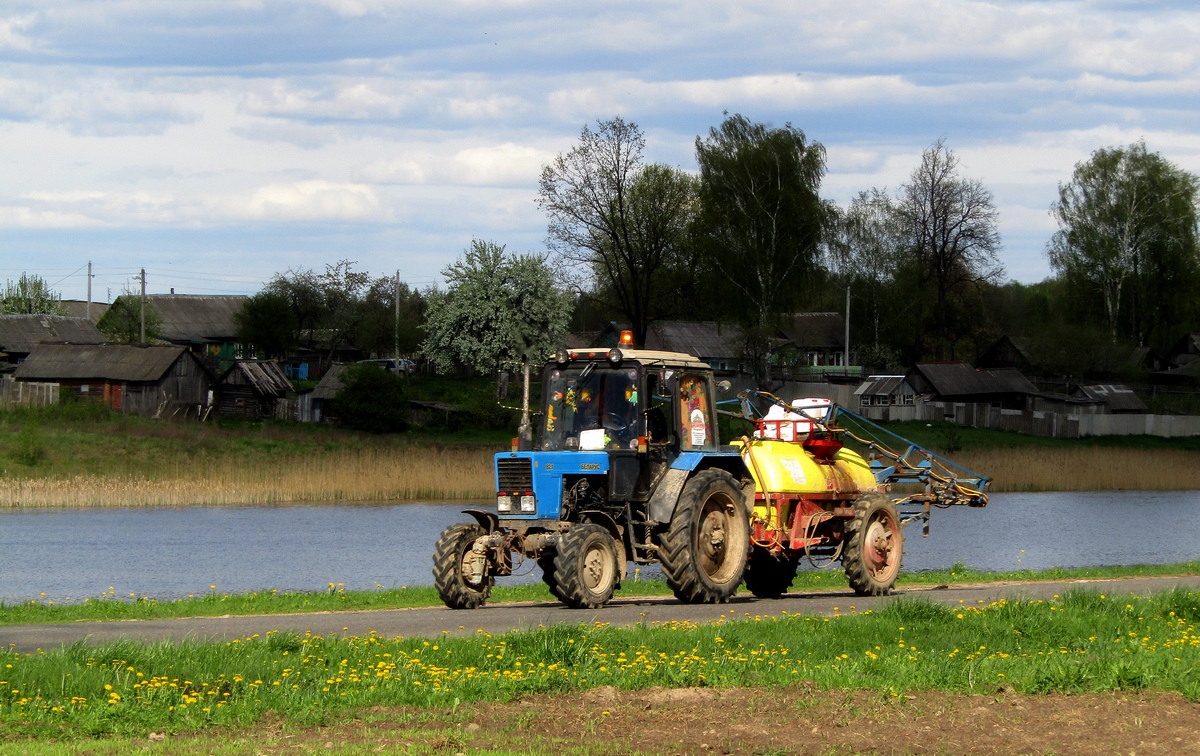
[(585, 567), (769, 575), (874, 546), (704, 548), (453, 568)]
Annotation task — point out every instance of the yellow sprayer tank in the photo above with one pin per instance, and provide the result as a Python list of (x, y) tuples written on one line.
[(786, 467)]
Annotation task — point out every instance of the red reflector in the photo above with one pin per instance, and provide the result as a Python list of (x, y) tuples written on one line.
[(502, 494), (529, 493)]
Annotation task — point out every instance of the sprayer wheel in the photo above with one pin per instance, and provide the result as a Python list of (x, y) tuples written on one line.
[(874, 546)]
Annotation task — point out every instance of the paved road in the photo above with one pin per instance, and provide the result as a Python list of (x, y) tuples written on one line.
[(504, 617)]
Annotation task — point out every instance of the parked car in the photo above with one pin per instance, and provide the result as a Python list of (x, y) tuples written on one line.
[(399, 366)]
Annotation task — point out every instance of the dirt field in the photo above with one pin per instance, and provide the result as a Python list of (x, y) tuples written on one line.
[(761, 722)]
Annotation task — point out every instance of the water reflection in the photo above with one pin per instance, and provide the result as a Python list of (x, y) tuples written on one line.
[(168, 553)]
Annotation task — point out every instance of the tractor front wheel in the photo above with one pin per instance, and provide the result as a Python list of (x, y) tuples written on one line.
[(874, 546), (585, 567), (454, 568), (704, 548), (769, 575)]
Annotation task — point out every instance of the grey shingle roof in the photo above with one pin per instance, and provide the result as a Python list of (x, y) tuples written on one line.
[(815, 329), (960, 379), (330, 383), (114, 362), (1118, 398), (195, 317), (21, 333), (705, 339)]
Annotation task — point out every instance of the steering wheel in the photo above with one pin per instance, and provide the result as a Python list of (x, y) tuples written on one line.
[(616, 423)]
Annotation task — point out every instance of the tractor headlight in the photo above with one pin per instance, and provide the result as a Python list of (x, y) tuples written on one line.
[(528, 503), (504, 503)]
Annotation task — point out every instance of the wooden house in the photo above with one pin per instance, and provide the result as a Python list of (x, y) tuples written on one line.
[(1003, 388), (1117, 399), (20, 334), (160, 381), (721, 345), (205, 324), (886, 397), (252, 388)]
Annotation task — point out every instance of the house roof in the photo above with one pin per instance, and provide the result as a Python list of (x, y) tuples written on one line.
[(113, 362), (21, 333), (960, 379), (1119, 398), (815, 329), (703, 338), (330, 383), (264, 376), (196, 317), (880, 384), (78, 308)]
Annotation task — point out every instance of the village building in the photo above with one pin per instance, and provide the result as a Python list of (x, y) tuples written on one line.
[(20, 334), (159, 381), (1117, 399), (252, 388), (1003, 388), (205, 324)]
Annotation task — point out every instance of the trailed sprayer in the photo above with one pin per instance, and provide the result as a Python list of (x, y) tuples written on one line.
[(628, 466)]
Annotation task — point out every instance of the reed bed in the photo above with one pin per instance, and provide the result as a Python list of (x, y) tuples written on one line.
[(1085, 468), (415, 473), (395, 474)]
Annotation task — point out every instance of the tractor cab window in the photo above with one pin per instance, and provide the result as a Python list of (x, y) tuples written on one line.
[(590, 397), (695, 412)]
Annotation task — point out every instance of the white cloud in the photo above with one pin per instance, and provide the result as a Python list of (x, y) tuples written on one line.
[(12, 35), (313, 201)]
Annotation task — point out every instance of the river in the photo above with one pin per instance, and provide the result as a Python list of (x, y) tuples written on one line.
[(170, 553)]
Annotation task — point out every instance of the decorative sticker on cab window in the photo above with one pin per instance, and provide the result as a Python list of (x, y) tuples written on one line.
[(699, 429), (550, 418)]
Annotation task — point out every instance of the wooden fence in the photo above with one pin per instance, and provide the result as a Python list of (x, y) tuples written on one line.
[(24, 394)]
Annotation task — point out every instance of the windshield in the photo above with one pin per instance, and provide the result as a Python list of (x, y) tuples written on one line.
[(590, 397)]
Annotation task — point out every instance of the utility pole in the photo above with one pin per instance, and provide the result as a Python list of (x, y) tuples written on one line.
[(397, 329), (846, 355), (142, 340), (89, 304)]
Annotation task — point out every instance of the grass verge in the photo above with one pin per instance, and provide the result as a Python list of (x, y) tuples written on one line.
[(336, 598), (1081, 642)]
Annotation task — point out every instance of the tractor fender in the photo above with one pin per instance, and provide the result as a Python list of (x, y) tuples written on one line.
[(662, 502), (666, 494), (489, 521)]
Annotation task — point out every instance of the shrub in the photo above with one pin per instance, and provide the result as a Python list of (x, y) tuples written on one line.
[(372, 399)]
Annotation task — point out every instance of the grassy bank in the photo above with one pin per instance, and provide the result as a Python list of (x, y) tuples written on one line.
[(81, 455), (1080, 642), (217, 603)]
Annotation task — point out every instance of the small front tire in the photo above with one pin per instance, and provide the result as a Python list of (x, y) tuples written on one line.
[(585, 567), (453, 573)]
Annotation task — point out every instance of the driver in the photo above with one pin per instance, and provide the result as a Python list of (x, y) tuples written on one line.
[(621, 409)]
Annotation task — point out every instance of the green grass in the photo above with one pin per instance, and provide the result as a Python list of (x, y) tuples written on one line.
[(1083, 641), (336, 598)]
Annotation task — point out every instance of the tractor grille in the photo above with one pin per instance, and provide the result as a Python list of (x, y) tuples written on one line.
[(515, 475)]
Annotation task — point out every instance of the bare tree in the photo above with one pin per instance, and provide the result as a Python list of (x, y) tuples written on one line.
[(951, 232), (625, 223)]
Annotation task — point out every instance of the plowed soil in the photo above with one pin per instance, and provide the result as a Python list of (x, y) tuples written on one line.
[(796, 720)]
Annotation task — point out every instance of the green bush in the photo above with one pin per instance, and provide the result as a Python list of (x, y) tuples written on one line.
[(372, 399)]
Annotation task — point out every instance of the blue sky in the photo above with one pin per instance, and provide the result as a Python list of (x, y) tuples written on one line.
[(216, 143)]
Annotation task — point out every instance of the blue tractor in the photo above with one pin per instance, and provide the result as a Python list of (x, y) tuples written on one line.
[(627, 466)]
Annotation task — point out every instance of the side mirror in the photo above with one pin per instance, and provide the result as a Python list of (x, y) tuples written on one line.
[(724, 386)]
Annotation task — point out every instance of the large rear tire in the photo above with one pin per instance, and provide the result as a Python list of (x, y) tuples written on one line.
[(585, 567), (452, 568), (769, 575), (704, 548), (874, 546)]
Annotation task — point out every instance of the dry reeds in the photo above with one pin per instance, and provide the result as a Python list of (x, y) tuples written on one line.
[(407, 474), (431, 474), (1086, 469)]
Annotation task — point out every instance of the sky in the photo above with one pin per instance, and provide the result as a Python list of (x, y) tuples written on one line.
[(216, 143)]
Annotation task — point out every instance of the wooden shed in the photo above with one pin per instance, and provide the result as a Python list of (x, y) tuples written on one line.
[(20, 334), (158, 381), (252, 388)]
